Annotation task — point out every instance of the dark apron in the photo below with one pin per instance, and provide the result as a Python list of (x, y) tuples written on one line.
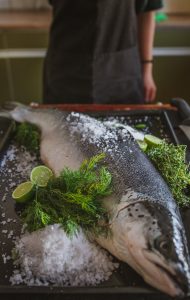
[(93, 53)]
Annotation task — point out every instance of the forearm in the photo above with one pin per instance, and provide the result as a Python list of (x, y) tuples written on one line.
[(146, 30)]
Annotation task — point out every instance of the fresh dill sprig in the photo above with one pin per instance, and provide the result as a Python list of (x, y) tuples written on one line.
[(28, 135), (87, 180), (35, 216), (74, 200), (170, 162)]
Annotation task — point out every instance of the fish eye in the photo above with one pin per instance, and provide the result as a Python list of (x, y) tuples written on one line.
[(162, 244)]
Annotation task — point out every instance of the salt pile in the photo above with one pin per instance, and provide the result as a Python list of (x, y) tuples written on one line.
[(49, 256)]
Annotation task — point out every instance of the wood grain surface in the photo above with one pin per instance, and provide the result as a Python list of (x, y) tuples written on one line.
[(108, 107)]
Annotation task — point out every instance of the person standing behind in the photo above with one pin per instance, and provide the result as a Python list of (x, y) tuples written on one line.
[(100, 51)]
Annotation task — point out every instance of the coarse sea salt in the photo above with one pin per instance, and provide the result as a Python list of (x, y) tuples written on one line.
[(104, 135), (5, 258), (17, 160), (49, 256), (10, 156), (91, 129)]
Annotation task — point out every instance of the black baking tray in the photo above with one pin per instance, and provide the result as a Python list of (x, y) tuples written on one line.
[(125, 282), (6, 128)]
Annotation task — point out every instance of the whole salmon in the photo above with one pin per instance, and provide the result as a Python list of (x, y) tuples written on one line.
[(147, 230)]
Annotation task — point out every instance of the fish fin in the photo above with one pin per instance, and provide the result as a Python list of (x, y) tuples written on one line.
[(11, 105), (5, 114)]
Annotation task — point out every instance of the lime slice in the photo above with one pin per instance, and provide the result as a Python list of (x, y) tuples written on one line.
[(24, 192), (152, 140), (40, 175), (143, 145)]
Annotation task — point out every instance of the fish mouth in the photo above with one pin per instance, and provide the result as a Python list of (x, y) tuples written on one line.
[(169, 276), (179, 280)]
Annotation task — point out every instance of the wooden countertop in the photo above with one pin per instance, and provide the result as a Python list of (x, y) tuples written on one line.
[(105, 107), (41, 20)]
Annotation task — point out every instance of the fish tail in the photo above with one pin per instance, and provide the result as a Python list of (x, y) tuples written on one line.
[(5, 114), (11, 105), (15, 111)]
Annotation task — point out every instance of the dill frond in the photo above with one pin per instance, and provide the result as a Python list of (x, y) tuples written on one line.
[(71, 227), (35, 216), (28, 135), (170, 162), (90, 165), (100, 188)]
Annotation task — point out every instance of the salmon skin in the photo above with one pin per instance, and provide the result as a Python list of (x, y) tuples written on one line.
[(146, 226)]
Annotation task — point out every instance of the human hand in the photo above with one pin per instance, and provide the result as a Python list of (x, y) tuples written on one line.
[(149, 85)]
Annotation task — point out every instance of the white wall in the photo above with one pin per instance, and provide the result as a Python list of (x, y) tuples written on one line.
[(23, 4)]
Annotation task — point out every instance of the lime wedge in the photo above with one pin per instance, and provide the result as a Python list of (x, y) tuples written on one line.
[(24, 192), (40, 175), (152, 140), (143, 145)]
